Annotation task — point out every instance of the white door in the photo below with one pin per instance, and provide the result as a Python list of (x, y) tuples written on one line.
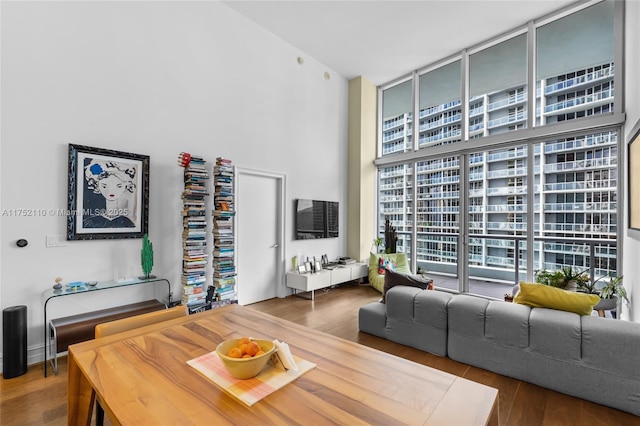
[(259, 230)]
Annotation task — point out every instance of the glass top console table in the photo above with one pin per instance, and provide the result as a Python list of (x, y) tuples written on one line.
[(87, 287)]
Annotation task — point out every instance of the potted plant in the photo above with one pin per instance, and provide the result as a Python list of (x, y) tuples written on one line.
[(378, 243), (550, 278), (566, 278), (609, 294), (573, 278), (589, 287)]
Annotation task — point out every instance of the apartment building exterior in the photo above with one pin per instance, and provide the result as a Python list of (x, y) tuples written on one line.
[(574, 195)]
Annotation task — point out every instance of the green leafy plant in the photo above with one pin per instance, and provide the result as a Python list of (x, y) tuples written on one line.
[(612, 288), (378, 243), (588, 286), (562, 278), (551, 278), (570, 274)]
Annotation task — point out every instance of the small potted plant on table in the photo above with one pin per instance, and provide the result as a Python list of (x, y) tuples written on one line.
[(609, 295)]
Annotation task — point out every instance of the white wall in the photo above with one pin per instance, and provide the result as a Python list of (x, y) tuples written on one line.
[(631, 266), (153, 78)]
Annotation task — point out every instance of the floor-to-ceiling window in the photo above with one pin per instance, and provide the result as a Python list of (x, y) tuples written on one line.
[(514, 164)]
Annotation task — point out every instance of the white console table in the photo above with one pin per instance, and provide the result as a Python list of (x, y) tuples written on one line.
[(309, 282)]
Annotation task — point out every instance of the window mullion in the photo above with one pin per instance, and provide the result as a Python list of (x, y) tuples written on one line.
[(463, 220), (464, 90), (530, 210)]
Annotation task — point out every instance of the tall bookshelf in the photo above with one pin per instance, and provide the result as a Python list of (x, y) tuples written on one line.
[(224, 267), (194, 236)]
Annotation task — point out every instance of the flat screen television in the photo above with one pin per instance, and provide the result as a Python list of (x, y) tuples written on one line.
[(316, 219)]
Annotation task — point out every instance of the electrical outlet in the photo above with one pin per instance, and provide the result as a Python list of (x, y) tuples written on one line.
[(56, 241)]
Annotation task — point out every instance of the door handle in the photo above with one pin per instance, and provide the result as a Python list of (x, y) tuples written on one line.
[(274, 245)]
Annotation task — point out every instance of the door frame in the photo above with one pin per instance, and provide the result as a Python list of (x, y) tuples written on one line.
[(281, 182)]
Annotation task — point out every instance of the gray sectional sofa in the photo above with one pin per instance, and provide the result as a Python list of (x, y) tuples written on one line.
[(594, 358)]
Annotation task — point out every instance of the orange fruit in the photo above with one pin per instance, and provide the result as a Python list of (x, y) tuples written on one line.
[(246, 356), (260, 352), (243, 340), (234, 353), (253, 348), (243, 347)]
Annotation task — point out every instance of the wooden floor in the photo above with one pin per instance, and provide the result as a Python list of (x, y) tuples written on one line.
[(33, 400)]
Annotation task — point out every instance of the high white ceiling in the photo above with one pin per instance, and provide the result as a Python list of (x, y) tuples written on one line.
[(384, 40)]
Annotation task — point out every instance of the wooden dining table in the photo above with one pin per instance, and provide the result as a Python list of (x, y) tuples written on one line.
[(141, 377)]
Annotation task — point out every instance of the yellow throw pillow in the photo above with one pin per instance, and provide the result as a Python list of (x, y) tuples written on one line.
[(544, 296)]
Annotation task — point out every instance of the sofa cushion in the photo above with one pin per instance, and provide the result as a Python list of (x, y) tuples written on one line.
[(555, 334), (507, 324), (372, 319), (401, 303), (377, 280), (418, 318), (467, 314), (393, 278), (431, 308), (612, 345), (544, 296)]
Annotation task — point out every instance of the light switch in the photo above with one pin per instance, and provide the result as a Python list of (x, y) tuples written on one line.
[(56, 241)]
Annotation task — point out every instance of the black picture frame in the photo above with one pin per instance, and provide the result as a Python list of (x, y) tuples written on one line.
[(108, 195)]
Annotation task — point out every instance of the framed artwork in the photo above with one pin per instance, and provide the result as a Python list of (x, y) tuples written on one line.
[(633, 163), (108, 194)]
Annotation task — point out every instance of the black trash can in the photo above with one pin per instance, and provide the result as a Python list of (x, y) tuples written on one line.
[(14, 341)]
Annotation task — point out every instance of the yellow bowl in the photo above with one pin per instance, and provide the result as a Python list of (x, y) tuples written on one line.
[(245, 368)]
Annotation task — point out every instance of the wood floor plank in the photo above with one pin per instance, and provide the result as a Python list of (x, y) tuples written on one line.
[(31, 399)]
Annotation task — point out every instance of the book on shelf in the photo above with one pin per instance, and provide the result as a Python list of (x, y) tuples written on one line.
[(195, 253), (195, 222), (222, 273), (225, 232), (193, 257), (188, 265), (226, 287), (221, 213), (192, 289), (223, 252), (190, 260), (227, 296), (222, 257), (195, 235), (195, 244), (223, 243), (193, 277), (224, 281), (223, 224), (225, 292), (220, 234), (193, 298)]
